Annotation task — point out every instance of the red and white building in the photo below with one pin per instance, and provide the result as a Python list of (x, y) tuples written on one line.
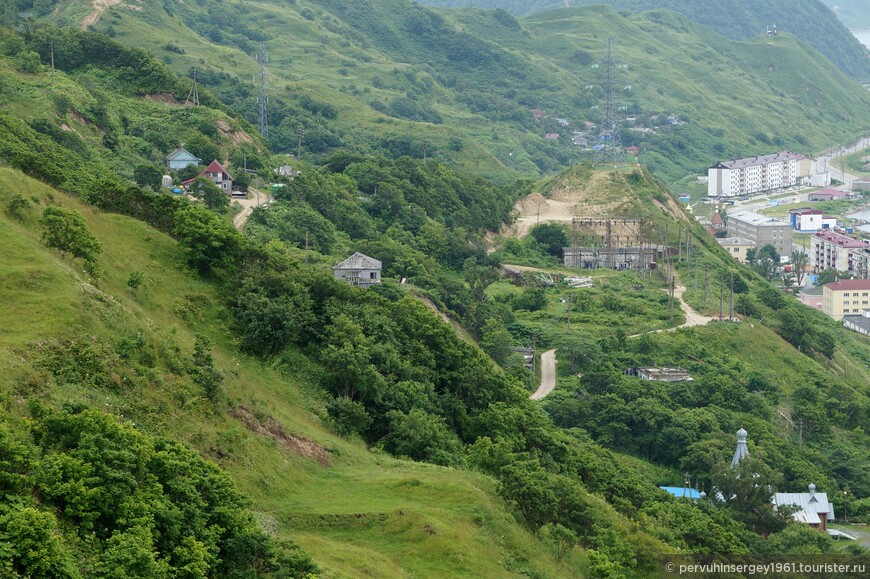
[(811, 220), (832, 250)]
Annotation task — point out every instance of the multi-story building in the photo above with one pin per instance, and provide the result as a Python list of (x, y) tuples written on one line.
[(760, 230), (756, 174), (832, 250), (846, 297), (736, 247)]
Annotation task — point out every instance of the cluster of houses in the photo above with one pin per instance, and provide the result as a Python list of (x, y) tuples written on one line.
[(810, 508), (181, 158)]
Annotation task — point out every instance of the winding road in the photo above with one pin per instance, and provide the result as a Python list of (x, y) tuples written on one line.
[(248, 205), (548, 375)]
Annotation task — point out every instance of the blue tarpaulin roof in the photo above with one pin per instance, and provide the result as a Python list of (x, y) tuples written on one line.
[(680, 492)]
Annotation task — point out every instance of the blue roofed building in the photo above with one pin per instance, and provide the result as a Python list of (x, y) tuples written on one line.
[(683, 492)]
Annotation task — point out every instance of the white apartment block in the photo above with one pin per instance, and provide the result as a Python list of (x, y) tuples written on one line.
[(832, 250), (756, 174)]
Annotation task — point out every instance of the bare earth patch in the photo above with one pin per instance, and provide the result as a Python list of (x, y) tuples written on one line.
[(100, 6), (235, 136), (270, 428)]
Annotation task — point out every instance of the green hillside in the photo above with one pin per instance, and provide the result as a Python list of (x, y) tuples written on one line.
[(392, 77), (810, 20), (181, 399)]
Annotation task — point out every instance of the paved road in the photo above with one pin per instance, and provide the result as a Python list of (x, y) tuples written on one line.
[(548, 375), (259, 198)]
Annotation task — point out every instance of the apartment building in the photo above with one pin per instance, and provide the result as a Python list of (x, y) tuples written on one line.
[(760, 230), (756, 174), (832, 250), (736, 247), (846, 297)]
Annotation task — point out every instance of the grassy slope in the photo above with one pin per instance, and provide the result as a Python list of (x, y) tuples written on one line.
[(674, 66), (366, 515), (737, 19)]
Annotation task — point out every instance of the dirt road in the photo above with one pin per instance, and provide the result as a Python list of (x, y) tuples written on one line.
[(548, 375), (259, 198)]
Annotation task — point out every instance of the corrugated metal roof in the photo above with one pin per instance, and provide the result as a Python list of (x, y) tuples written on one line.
[(359, 261), (809, 504)]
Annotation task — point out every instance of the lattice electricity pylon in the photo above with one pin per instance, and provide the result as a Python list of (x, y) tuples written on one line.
[(193, 95), (610, 142), (262, 99)]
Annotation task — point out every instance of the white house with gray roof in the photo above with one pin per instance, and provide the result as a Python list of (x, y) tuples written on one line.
[(359, 270)]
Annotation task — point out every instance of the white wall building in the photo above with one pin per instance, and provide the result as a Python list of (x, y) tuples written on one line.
[(756, 174)]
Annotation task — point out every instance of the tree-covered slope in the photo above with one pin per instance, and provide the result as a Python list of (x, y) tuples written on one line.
[(852, 13), (810, 20), (392, 77)]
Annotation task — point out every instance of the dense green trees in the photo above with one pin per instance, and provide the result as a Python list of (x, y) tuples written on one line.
[(67, 231), (116, 502), (208, 240)]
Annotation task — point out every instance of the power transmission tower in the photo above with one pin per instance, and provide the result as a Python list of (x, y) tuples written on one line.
[(193, 95), (611, 144), (262, 99)]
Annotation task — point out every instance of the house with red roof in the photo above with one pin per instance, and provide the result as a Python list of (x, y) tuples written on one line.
[(827, 195), (219, 176), (632, 150)]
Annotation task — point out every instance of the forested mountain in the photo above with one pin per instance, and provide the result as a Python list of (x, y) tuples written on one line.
[(852, 13), (179, 399), (809, 20), (392, 77)]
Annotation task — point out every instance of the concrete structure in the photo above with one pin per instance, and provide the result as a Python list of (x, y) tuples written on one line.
[(181, 158), (661, 374), (761, 230), (359, 270), (832, 250), (858, 323), (810, 220), (861, 184), (621, 258), (736, 247), (814, 509), (219, 176), (827, 195), (286, 171), (847, 296), (755, 174)]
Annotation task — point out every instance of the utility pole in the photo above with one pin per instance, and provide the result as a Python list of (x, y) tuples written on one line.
[(679, 242), (299, 144), (52, 64), (570, 295), (306, 246), (425, 147), (705, 286), (534, 355), (262, 98), (731, 302), (721, 297)]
